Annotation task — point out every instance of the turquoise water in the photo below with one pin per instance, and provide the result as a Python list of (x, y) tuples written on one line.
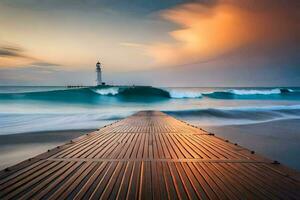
[(32, 109)]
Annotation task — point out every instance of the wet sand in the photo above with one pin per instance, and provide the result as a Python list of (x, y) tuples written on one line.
[(277, 140), (18, 147)]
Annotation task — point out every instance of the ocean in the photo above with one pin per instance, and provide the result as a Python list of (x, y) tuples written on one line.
[(262, 119)]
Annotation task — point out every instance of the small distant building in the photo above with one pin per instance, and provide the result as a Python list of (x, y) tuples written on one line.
[(99, 74)]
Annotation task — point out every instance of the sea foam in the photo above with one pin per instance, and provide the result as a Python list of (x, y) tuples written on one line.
[(107, 91), (181, 94), (254, 92)]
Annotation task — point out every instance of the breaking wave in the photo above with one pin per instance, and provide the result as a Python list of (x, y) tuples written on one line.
[(132, 91), (107, 91), (181, 94)]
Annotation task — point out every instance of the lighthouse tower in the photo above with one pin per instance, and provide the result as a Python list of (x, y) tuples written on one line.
[(99, 73)]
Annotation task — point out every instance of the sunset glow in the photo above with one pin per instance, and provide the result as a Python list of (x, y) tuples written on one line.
[(209, 32)]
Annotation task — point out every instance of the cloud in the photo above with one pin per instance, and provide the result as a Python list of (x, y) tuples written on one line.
[(210, 31), (15, 56), (45, 64), (42, 76), (11, 51)]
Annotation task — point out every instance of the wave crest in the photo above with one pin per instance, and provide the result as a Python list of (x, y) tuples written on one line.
[(107, 91), (181, 94), (255, 92)]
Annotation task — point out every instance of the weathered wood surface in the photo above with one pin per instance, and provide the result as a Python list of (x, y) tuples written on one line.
[(149, 155)]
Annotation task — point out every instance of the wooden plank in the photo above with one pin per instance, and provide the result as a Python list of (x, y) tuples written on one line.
[(133, 189), (72, 182), (146, 182), (194, 182), (169, 182), (105, 180), (123, 189), (185, 181), (110, 191), (251, 187), (90, 184), (33, 179), (47, 187)]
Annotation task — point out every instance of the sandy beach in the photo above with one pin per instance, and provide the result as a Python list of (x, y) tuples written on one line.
[(278, 140), (18, 147)]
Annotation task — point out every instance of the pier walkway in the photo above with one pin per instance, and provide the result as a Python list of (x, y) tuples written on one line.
[(149, 155)]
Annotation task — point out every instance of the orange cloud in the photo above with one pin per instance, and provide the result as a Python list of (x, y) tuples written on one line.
[(209, 31)]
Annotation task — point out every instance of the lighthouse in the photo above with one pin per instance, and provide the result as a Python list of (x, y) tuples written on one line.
[(99, 73)]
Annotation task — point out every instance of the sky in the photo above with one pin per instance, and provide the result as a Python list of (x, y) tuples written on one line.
[(150, 42)]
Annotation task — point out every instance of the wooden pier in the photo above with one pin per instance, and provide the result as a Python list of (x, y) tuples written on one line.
[(149, 155)]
